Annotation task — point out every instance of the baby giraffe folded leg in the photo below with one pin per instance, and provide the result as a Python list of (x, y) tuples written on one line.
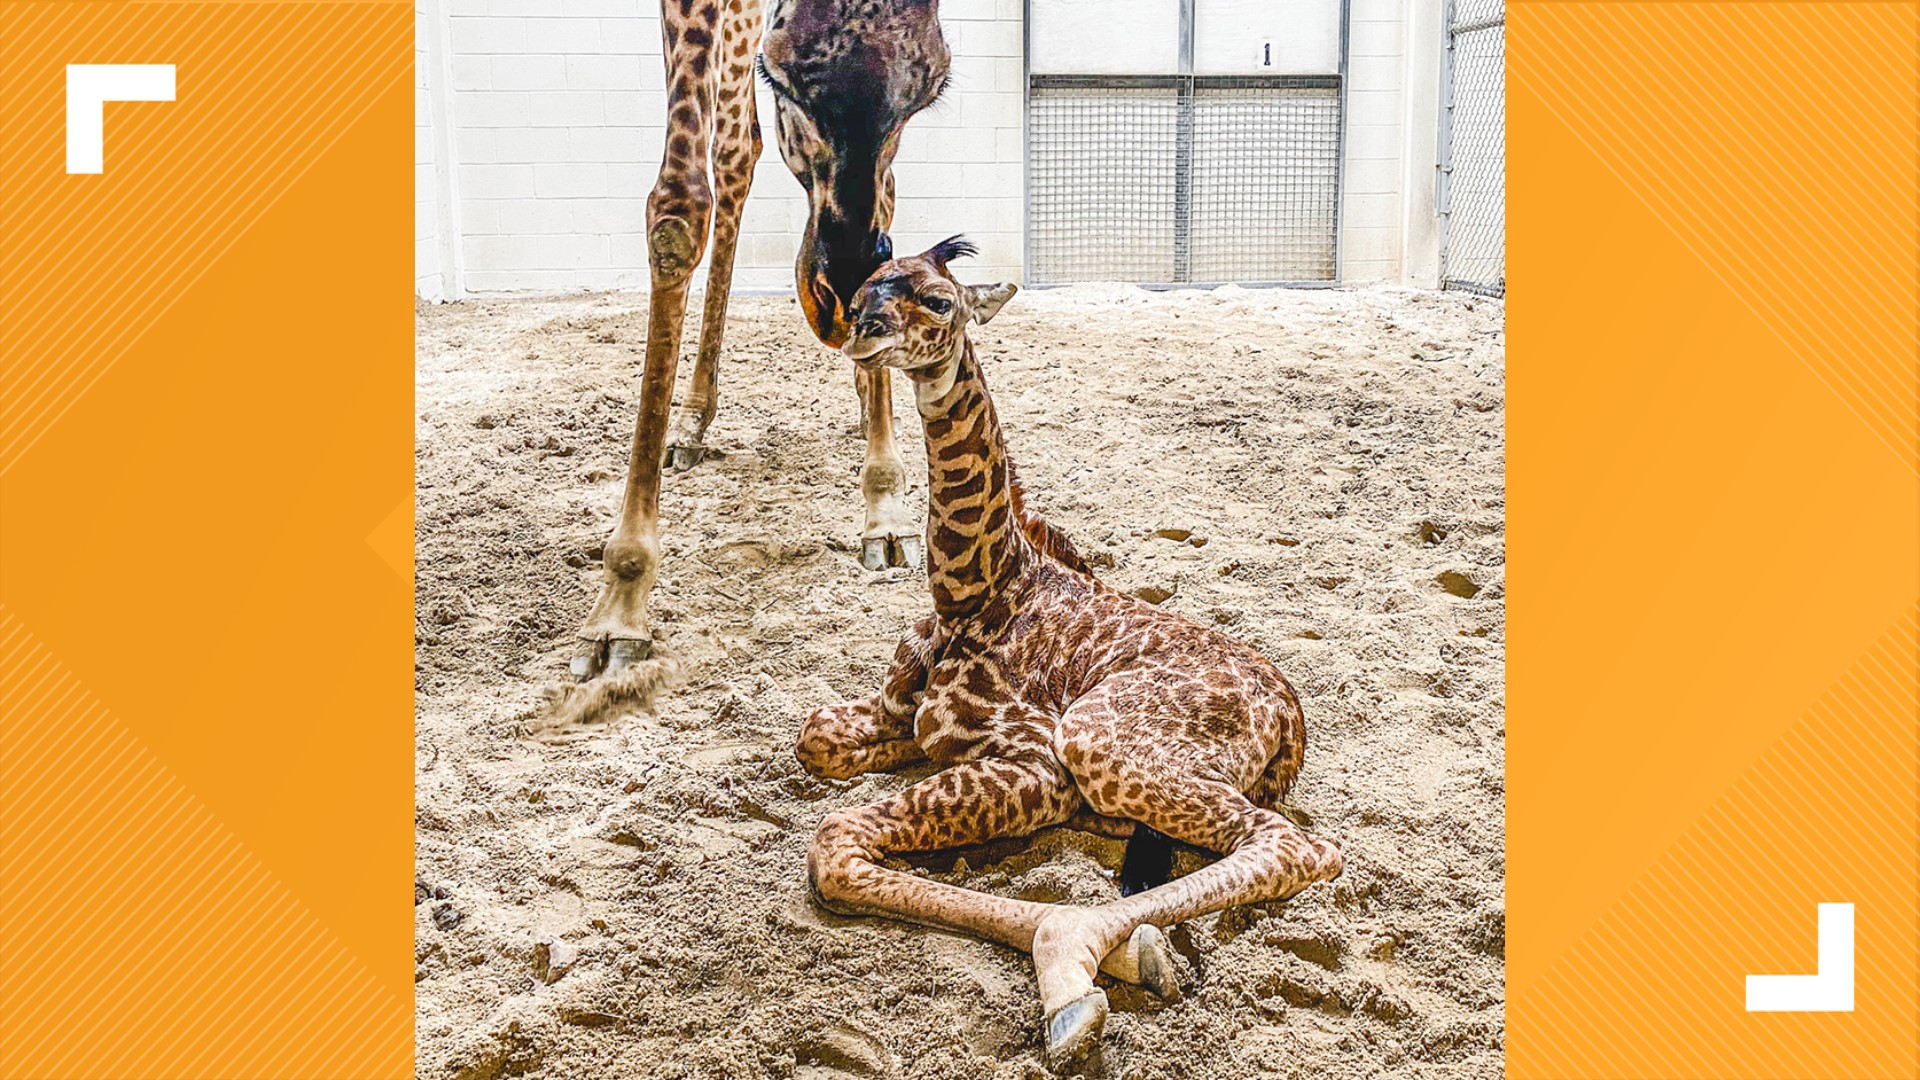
[(970, 803), (872, 734)]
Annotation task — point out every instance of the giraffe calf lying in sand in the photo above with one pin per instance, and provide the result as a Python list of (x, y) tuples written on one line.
[(1044, 695)]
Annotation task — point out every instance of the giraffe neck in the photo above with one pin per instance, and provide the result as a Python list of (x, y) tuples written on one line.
[(975, 545)]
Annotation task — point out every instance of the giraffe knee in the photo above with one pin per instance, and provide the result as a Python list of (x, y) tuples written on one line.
[(674, 247), (1294, 858), (840, 832), (678, 213), (830, 860), (820, 749), (1328, 862)]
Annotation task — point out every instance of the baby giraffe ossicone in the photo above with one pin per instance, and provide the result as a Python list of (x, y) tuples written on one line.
[(1044, 696)]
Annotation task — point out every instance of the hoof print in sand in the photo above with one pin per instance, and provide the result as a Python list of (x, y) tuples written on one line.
[(841, 1051)]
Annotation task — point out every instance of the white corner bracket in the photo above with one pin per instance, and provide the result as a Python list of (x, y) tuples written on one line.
[(1830, 990), (89, 88)]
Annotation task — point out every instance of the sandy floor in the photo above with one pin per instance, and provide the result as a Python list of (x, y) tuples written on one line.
[(629, 901)]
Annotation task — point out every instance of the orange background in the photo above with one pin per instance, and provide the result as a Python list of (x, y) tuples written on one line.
[(1714, 543), (205, 570)]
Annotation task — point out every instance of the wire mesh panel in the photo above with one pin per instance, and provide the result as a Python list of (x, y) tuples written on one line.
[(1100, 179), (1475, 245), (1173, 179), (1477, 12), (1266, 169)]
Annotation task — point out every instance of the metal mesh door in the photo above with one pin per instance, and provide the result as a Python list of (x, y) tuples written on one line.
[(1183, 179), (1100, 180), (1266, 171), (1473, 191)]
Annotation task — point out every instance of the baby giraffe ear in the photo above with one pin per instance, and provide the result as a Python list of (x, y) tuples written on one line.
[(987, 300)]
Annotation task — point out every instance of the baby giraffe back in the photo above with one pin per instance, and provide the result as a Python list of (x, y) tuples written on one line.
[(1108, 685)]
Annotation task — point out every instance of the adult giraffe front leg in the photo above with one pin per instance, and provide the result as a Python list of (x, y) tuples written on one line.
[(891, 536), (679, 210), (736, 150)]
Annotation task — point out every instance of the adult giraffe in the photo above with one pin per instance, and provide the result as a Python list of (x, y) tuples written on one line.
[(846, 76)]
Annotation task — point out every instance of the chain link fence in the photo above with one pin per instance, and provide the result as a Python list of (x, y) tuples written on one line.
[(1474, 149), (1183, 179)]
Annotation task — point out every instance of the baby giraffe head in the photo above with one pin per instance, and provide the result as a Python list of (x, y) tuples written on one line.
[(912, 314)]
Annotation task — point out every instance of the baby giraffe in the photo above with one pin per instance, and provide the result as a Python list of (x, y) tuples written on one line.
[(1044, 696)]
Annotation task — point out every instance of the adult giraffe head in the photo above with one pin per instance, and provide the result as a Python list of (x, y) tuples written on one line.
[(846, 76)]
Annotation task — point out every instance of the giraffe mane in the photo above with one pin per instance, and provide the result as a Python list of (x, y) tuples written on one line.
[(1045, 539)]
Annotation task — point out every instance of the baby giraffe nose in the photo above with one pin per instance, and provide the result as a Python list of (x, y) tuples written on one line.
[(869, 327)]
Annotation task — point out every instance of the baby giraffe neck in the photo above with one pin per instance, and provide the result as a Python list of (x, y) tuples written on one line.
[(974, 543)]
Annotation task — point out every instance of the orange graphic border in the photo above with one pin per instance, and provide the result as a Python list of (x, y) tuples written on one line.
[(205, 569), (1713, 529)]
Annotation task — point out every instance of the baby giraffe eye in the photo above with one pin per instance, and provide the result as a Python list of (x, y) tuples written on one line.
[(937, 305)]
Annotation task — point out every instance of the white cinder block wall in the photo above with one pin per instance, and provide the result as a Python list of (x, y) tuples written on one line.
[(1376, 71), (1393, 124), (553, 112)]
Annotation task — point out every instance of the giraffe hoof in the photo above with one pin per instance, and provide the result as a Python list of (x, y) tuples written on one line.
[(880, 552), (594, 657), (1331, 862), (682, 458), (589, 657), (1153, 955), (907, 551), (623, 653), (1075, 1027)]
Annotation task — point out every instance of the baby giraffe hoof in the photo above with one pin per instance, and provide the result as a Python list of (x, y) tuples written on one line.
[(1075, 1028), (880, 552), (1153, 956)]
